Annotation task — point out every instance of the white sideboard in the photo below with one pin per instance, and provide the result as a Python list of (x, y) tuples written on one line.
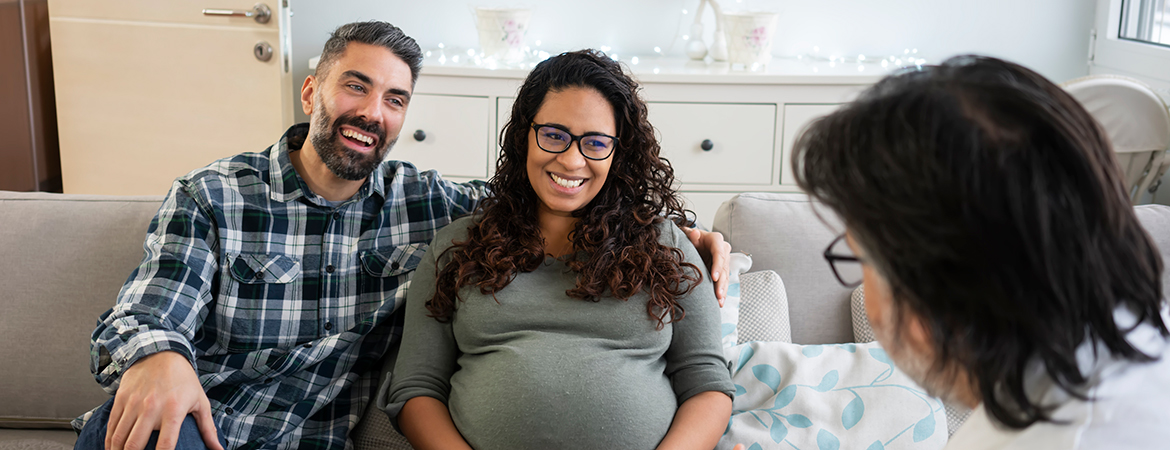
[(750, 120)]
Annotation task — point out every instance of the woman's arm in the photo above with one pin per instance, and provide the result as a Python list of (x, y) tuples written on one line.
[(427, 424), (699, 422), (695, 364), (420, 380)]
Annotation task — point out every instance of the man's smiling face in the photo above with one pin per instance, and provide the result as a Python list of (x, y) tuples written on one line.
[(358, 106)]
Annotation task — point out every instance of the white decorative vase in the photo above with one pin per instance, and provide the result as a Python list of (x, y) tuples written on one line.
[(501, 32), (718, 49), (749, 37), (696, 49)]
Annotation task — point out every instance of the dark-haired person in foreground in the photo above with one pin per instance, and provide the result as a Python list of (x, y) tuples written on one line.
[(569, 312), (1004, 267), (272, 282)]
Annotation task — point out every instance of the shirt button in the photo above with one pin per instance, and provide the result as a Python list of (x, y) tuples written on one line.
[(268, 380), (308, 345), (260, 276), (336, 216), (229, 410), (395, 265), (330, 268), (328, 325)]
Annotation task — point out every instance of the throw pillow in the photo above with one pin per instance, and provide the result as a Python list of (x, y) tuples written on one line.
[(375, 432), (827, 397), (862, 332), (763, 308)]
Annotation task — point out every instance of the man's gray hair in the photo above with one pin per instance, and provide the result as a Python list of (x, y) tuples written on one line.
[(373, 33)]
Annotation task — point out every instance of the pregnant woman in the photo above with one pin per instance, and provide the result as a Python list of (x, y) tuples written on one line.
[(570, 311)]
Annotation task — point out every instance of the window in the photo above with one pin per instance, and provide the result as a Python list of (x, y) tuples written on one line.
[(1145, 21), (1132, 38)]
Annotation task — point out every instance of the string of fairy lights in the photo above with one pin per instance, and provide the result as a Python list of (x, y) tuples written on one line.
[(529, 55)]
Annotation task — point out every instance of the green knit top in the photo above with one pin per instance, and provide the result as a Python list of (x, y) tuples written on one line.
[(534, 368)]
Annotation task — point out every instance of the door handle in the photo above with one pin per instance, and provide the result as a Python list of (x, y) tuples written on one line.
[(261, 13)]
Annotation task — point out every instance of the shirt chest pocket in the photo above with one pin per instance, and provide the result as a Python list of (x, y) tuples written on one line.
[(259, 268), (264, 289), (392, 261), (384, 271)]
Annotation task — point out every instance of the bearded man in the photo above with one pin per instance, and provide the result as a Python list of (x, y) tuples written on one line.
[(272, 282)]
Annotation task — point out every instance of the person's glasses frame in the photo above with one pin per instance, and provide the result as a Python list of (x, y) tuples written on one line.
[(574, 138), (834, 259)]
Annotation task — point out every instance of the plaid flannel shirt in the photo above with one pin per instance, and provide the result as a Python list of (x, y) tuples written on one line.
[(283, 304)]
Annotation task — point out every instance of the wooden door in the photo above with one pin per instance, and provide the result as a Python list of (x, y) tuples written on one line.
[(149, 90)]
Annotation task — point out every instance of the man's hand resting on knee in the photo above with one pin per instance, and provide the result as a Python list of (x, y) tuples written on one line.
[(157, 393)]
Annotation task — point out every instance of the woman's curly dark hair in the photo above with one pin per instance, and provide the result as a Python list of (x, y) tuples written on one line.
[(615, 242)]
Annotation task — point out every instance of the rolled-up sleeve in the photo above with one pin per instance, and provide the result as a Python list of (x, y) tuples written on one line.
[(164, 302), (695, 361)]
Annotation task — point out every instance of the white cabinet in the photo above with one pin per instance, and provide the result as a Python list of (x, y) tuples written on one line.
[(796, 117), (712, 143), (503, 114), (751, 120), (450, 133)]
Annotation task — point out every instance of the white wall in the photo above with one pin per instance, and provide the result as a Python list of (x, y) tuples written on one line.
[(1050, 36)]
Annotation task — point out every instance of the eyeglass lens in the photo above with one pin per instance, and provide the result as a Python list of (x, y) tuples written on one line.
[(557, 140)]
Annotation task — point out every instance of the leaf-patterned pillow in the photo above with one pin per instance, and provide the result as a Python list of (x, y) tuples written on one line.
[(827, 397)]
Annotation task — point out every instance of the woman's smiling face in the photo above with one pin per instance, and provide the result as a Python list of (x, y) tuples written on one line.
[(567, 181)]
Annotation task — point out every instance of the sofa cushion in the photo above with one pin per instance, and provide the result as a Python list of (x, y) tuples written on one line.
[(65, 258), (37, 439)]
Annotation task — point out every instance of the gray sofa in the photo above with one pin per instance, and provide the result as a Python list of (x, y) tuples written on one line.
[(66, 256)]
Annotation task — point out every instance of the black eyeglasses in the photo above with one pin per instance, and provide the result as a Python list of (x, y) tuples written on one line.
[(557, 139), (846, 267)]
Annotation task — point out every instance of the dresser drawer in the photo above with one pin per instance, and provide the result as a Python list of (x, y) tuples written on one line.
[(455, 135), (796, 118), (741, 138)]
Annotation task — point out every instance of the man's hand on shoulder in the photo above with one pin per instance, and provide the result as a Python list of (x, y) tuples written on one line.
[(716, 253), (157, 393)]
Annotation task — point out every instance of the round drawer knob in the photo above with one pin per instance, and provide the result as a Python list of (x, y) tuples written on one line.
[(707, 145), (420, 135)]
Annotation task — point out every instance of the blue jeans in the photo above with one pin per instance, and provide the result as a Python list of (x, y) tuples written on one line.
[(93, 436)]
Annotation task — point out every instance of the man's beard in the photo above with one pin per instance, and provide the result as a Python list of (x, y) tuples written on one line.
[(344, 162)]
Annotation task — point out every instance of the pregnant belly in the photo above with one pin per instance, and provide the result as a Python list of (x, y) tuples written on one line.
[(510, 399)]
